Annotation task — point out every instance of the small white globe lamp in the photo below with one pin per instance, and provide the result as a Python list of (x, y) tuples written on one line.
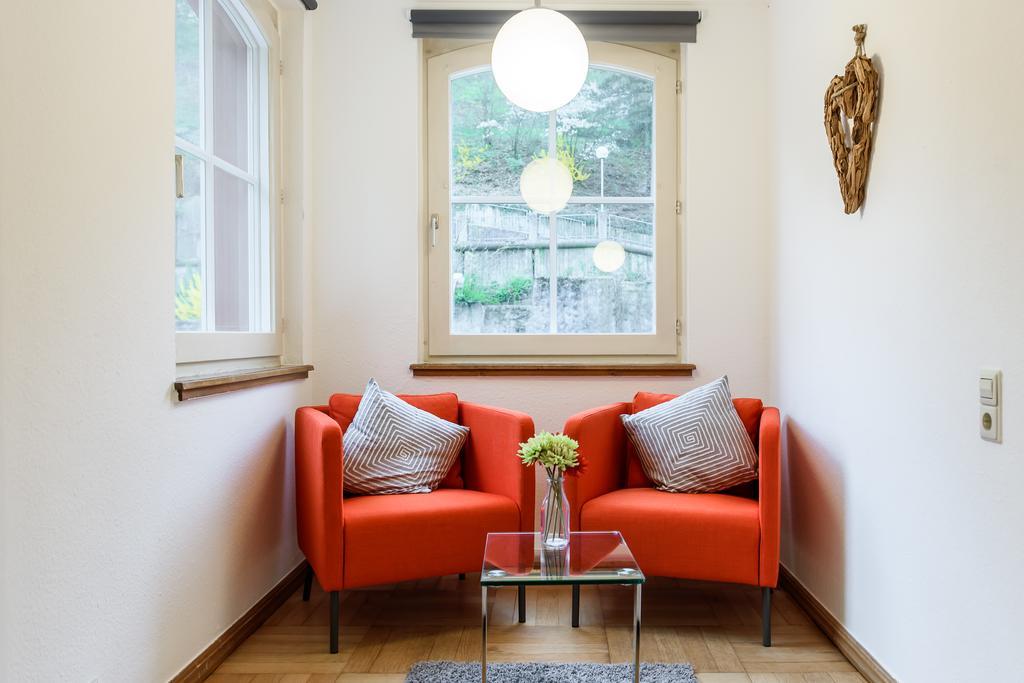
[(539, 59), (546, 185), (609, 256)]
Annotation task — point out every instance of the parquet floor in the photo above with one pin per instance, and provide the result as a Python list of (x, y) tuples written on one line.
[(384, 630)]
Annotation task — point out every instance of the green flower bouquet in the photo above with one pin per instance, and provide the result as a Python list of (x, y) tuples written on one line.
[(559, 455)]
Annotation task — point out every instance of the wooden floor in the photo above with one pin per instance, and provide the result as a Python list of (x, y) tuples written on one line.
[(385, 630)]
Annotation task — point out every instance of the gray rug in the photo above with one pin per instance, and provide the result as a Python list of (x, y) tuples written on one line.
[(531, 672)]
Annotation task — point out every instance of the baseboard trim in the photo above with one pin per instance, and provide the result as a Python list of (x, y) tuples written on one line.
[(861, 659), (212, 657)]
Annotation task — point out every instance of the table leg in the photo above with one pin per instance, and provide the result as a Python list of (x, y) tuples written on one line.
[(575, 605), (636, 633), (483, 623)]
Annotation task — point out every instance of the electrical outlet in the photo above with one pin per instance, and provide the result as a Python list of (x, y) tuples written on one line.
[(990, 395)]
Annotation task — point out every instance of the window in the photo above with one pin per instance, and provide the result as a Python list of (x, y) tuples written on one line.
[(223, 222), (504, 280)]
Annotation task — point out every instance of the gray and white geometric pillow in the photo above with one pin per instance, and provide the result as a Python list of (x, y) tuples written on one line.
[(695, 443), (393, 447)]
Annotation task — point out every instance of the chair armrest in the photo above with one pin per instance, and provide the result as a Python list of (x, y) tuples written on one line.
[(490, 463), (769, 485), (602, 440), (318, 497)]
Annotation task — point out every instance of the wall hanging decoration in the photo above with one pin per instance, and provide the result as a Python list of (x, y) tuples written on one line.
[(851, 102)]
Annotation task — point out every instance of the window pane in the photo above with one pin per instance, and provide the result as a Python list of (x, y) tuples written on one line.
[(614, 116), (492, 139), (188, 249), (230, 90), (188, 71), (591, 300), (499, 270), (231, 225)]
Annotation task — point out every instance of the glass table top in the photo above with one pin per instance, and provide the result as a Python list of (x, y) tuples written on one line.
[(590, 557)]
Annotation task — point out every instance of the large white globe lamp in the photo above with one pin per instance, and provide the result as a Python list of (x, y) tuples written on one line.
[(609, 256), (539, 59), (546, 185)]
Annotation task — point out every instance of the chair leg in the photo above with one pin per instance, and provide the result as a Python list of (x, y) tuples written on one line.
[(522, 603), (334, 622), (575, 605), (307, 583), (766, 617)]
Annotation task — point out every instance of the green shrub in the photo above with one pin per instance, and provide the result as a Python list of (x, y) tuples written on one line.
[(188, 301), (567, 155), (516, 289), (468, 159), (472, 291)]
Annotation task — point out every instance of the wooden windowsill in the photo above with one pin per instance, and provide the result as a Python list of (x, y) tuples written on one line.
[(208, 385), (550, 369)]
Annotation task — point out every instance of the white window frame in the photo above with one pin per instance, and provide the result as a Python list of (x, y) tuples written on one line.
[(664, 341), (256, 20)]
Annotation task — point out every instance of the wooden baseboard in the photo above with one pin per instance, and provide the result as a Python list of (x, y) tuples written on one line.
[(861, 659), (212, 657)]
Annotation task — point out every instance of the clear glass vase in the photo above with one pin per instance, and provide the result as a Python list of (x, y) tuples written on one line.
[(554, 513)]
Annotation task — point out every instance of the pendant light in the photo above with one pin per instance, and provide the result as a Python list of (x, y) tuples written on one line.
[(609, 256), (539, 59), (546, 185)]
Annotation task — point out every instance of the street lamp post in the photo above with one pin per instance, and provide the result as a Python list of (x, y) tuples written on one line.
[(602, 154), (608, 255), (602, 219)]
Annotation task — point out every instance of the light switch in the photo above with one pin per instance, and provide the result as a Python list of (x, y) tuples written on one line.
[(986, 388), (990, 415)]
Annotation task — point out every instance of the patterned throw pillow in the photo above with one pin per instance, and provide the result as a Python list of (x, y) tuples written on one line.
[(393, 447), (695, 443)]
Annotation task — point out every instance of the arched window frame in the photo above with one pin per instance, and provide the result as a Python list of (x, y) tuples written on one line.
[(665, 340)]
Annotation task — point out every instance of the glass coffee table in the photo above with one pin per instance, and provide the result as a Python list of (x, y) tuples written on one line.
[(592, 557)]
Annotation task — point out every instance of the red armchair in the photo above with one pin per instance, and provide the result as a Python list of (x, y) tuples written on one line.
[(731, 536), (353, 541)]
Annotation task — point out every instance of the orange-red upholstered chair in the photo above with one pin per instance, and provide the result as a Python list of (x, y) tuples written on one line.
[(732, 536), (353, 541)]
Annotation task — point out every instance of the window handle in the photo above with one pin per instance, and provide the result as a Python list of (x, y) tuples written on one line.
[(433, 229), (179, 176)]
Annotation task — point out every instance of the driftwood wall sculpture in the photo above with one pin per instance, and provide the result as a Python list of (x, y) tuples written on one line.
[(851, 101)]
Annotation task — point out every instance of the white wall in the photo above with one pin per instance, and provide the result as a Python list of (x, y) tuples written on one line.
[(135, 529), (900, 518), (367, 222)]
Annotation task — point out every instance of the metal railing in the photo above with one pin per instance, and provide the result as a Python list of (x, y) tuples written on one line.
[(488, 225)]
